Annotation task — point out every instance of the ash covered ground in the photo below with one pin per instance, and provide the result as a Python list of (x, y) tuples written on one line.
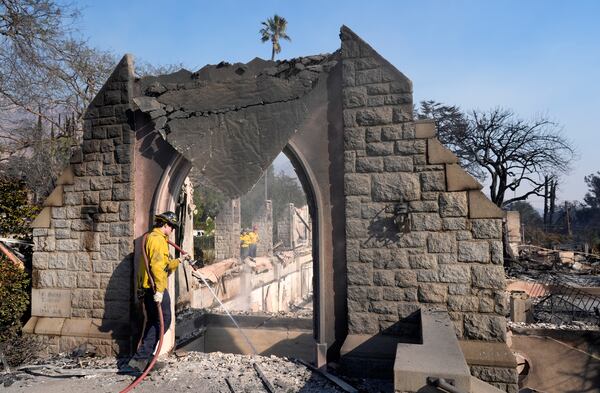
[(187, 372)]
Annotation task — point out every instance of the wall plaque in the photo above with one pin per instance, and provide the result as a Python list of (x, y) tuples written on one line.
[(51, 302)]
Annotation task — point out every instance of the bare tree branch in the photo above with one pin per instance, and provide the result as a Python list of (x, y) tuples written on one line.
[(515, 153)]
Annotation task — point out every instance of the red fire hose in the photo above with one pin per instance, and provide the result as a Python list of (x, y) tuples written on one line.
[(139, 379)]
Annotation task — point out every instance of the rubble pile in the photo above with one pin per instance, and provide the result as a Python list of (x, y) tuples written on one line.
[(187, 372), (569, 268), (534, 261), (560, 289)]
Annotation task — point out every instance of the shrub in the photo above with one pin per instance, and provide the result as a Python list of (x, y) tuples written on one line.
[(16, 213), (14, 295)]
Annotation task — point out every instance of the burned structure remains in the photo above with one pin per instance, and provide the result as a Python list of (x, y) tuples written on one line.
[(397, 225)]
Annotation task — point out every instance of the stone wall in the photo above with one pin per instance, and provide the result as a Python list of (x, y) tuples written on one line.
[(83, 240), (264, 221), (227, 231), (285, 227), (418, 230)]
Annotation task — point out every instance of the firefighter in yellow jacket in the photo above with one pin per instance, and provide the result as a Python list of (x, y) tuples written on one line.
[(244, 243), (154, 286), (253, 240)]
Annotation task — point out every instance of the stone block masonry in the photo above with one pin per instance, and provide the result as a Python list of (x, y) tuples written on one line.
[(416, 229), (411, 242), (86, 246), (264, 222), (285, 225), (227, 231)]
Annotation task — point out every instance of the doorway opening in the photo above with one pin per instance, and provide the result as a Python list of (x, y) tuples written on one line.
[(257, 254)]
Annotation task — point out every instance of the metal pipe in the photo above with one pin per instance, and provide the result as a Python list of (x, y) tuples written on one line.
[(13, 258)]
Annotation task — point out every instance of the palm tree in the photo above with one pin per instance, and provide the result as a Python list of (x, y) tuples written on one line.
[(274, 29)]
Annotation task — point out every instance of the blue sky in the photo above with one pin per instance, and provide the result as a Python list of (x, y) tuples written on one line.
[(535, 57)]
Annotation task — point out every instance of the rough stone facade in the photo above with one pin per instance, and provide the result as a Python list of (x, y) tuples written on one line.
[(83, 241), (413, 235), (503, 378), (411, 230), (227, 231)]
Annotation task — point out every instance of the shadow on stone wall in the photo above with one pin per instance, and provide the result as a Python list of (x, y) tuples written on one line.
[(122, 316), (375, 357)]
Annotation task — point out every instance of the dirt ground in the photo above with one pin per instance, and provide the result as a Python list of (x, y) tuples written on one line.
[(190, 372), (557, 366)]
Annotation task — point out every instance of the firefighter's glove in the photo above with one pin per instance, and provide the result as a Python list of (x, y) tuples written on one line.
[(186, 258), (158, 297)]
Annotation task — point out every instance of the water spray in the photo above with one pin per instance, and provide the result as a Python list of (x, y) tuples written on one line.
[(198, 275)]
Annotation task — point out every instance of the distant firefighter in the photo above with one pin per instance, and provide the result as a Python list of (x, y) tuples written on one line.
[(244, 243), (253, 235)]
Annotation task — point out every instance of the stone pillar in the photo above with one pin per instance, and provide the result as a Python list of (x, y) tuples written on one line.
[(184, 282), (419, 233), (285, 227), (520, 306), (227, 231), (83, 240), (264, 222), (301, 231), (513, 226)]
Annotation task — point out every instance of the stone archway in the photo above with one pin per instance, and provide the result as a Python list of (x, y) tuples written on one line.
[(164, 197), (348, 118), (298, 113)]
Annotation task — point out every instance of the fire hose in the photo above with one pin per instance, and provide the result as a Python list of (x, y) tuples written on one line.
[(141, 377)]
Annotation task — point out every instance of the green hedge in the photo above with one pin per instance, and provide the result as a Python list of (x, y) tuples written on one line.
[(14, 298)]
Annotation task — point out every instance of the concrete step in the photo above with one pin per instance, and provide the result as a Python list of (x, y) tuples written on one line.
[(438, 356)]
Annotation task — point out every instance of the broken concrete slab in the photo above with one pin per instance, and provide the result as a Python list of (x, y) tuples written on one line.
[(147, 104), (439, 356), (556, 364)]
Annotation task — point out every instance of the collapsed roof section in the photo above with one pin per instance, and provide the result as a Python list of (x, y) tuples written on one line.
[(216, 117)]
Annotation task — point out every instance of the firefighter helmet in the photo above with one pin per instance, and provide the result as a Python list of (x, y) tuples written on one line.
[(167, 218)]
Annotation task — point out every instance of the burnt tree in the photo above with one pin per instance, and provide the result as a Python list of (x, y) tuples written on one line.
[(515, 154)]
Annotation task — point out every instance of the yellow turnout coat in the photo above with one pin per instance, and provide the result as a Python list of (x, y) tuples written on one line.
[(161, 264)]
